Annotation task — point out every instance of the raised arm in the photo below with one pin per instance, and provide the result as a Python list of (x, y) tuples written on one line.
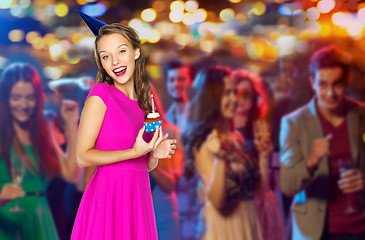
[(212, 170), (70, 115)]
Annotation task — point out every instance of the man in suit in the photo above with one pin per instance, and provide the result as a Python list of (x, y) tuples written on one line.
[(312, 140)]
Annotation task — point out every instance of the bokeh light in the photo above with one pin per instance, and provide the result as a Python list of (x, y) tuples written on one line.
[(259, 8), (325, 6), (94, 10), (177, 5), (30, 36), (191, 5), (61, 9), (188, 19), (200, 15), (158, 5), (16, 35), (226, 14), (176, 16), (53, 73), (313, 13), (148, 15), (4, 4)]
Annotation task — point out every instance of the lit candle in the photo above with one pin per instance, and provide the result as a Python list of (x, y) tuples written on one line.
[(153, 103)]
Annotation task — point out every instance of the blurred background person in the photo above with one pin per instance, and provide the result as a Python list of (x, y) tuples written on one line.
[(165, 177), (64, 198), (24, 132), (251, 115), (217, 152), (179, 77), (317, 141)]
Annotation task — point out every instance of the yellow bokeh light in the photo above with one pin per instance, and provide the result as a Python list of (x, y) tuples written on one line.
[(259, 8), (38, 43), (176, 16), (177, 5), (16, 35), (273, 36), (75, 60), (61, 9), (191, 5), (158, 5), (226, 14), (31, 36), (200, 15), (188, 19), (234, 1), (207, 46), (325, 30), (148, 15), (82, 2), (312, 13), (181, 39), (76, 38)]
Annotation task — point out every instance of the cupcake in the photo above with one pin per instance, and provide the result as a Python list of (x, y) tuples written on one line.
[(153, 119)]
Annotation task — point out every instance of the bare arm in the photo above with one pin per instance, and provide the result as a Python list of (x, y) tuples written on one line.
[(212, 170), (90, 124), (69, 168)]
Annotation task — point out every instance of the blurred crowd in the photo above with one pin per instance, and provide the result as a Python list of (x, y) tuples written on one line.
[(257, 158)]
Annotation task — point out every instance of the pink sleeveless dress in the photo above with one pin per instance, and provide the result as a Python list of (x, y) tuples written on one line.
[(117, 203)]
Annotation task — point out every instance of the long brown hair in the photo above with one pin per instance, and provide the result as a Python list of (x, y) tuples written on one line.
[(37, 125), (141, 81), (204, 111)]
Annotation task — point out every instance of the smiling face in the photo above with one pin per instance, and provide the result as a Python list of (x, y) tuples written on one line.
[(178, 80), (117, 57), (229, 99), (22, 101), (329, 87), (244, 98)]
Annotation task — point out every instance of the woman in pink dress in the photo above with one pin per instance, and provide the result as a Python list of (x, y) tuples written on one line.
[(117, 202)]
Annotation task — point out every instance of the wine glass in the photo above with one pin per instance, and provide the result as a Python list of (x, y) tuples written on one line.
[(344, 165), (17, 173)]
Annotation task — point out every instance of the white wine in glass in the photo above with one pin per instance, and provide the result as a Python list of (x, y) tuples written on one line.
[(17, 173)]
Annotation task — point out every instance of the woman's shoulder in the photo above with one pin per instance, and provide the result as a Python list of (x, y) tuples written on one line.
[(213, 142), (101, 90), (101, 87)]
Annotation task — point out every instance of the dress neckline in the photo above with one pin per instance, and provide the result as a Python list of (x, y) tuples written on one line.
[(122, 93)]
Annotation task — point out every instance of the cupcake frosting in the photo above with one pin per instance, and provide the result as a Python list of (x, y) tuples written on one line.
[(153, 115)]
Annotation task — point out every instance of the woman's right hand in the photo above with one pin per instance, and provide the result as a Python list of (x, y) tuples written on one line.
[(141, 147), (10, 192)]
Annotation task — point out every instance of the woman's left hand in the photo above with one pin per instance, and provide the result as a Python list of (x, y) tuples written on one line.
[(165, 148), (70, 111)]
